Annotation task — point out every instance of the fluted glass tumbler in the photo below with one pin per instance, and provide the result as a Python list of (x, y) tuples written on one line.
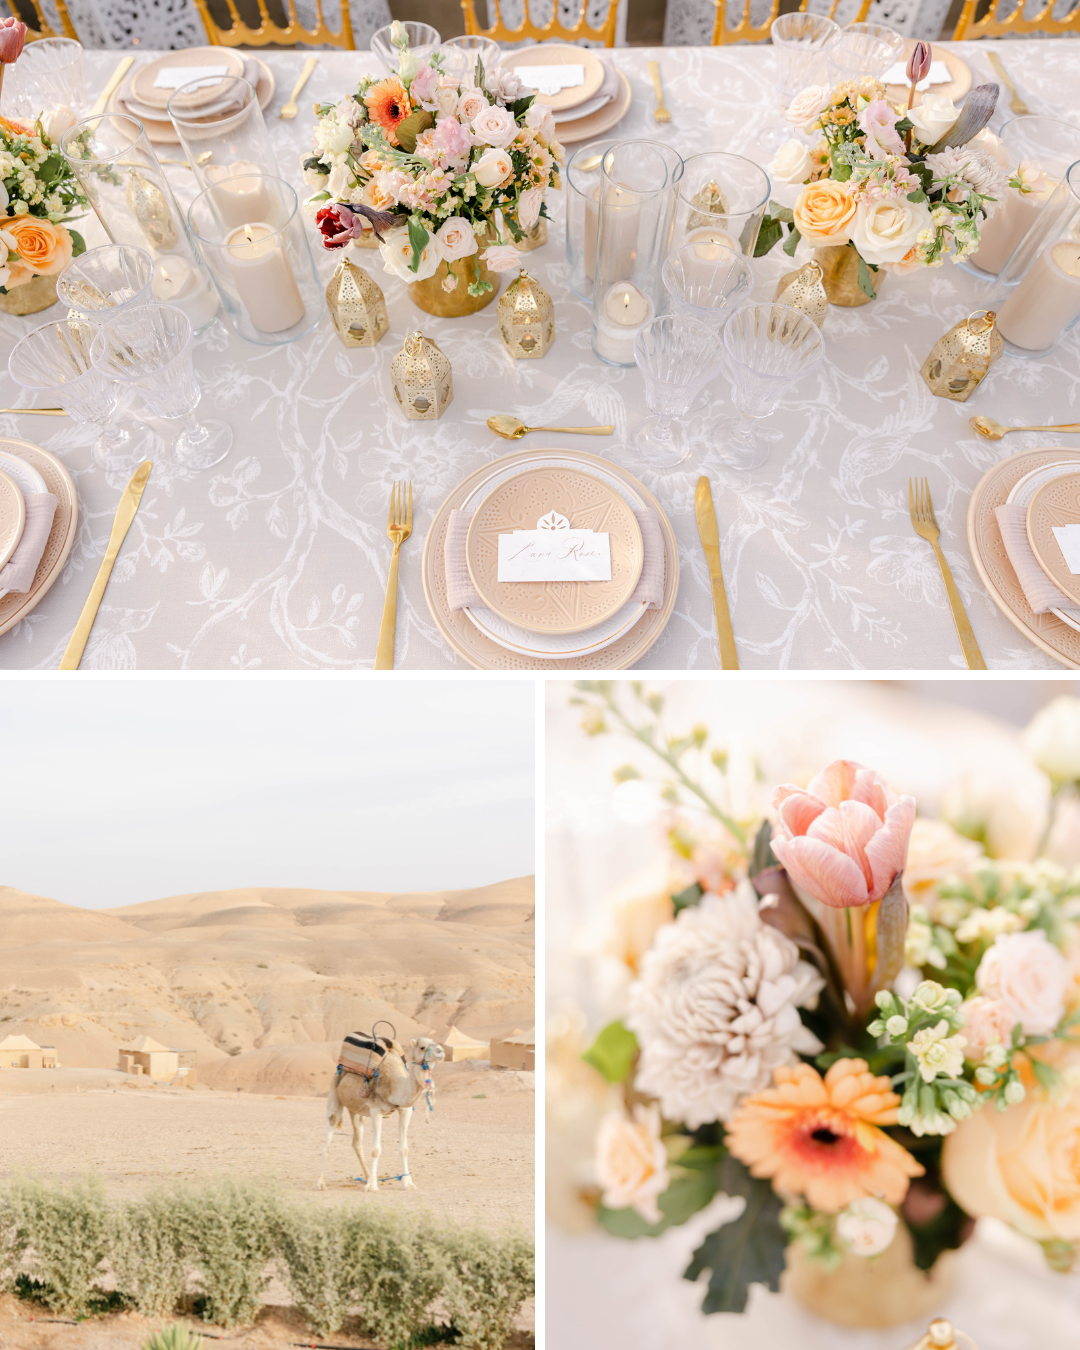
[(707, 282), (104, 281), (722, 199), (677, 358), (48, 76)]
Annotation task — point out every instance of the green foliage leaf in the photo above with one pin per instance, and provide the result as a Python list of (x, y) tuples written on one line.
[(784, 213), (769, 235), (612, 1053), (418, 237), (839, 168), (685, 899), (78, 243), (748, 1251), (410, 127), (791, 243), (683, 1198), (917, 196), (866, 281), (763, 855)]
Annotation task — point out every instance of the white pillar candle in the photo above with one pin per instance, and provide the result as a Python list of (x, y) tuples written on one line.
[(1045, 301), (240, 193), (177, 283), (620, 316), (1015, 215), (711, 235), (621, 225), (264, 277)]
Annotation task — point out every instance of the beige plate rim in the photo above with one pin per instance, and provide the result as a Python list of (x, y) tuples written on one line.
[(164, 133), (623, 596), (646, 631), (40, 587), (599, 122), (566, 98), (955, 90), (1064, 581), (228, 54), (10, 485), (1017, 620)]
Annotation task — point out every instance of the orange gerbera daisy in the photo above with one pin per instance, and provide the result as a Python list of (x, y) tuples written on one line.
[(819, 1138), (388, 105)]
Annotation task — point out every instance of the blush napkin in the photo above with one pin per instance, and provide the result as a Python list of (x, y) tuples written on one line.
[(18, 573), (1039, 591), (459, 588)]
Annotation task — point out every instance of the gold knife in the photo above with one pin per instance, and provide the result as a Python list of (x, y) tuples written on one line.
[(710, 542), (122, 67), (1016, 103), (125, 514)]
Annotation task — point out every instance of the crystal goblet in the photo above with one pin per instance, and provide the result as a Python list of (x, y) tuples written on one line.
[(707, 282), (677, 358), (423, 39), (149, 348), (768, 347), (863, 49), (798, 42), (105, 281)]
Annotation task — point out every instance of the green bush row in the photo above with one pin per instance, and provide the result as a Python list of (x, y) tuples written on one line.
[(224, 1240)]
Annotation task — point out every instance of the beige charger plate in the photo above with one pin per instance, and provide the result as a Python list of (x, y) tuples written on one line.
[(955, 89), (551, 54), (12, 517), (61, 537), (1055, 503), (553, 606), (481, 652), (142, 79), (164, 133), (601, 121), (1046, 631)]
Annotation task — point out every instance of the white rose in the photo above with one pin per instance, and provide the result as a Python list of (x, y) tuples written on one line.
[(314, 178), (493, 168), (471, 103), (333, 136), (933, 117), (456, 238), (791, 163), (447, 101), (866, 1227), (805, 107), (528, 207), (55, 122), (494, 125), (397, 252), (884, 230), (541, 119), (993, 145), (631, 1161), (1026, 973), (1053, 738), (340, 181)]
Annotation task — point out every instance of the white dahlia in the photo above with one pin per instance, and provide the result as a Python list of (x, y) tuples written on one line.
[(715, 1009), (978, 169)]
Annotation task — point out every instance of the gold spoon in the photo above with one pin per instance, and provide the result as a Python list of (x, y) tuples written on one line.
[(590, 162), (993, 431), (513, 430), (199, 159)]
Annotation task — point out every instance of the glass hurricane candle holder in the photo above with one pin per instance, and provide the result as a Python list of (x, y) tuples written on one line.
[(768, 347), (263, 268), (583, 178), (677, 358), (225, 143), (721, 199), (707, 282), (103, 281), (48, 75)]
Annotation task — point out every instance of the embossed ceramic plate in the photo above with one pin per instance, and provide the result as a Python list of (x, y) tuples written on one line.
[(554, 606), (552, 54), (12, 517), (1055, 503), (597, 123), (59, 482), (957, 87), (481, 652), (142, 79), (1022, 493), (163, 132), (1046, 631)]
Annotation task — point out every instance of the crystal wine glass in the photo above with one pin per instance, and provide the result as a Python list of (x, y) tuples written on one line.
[(707, 282), (105, 281), (769, 347), (150, 348), (863, 49), (798, 42), (54, 363), (677, 358), (423, 39)]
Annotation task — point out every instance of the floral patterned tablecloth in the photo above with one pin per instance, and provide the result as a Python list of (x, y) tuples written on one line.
[(277, 558)]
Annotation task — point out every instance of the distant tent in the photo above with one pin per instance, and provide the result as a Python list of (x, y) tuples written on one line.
[(459, 1045), (145, 1046), (516, 1051), (20, 1052)]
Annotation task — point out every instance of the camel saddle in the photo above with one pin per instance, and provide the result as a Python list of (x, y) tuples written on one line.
[(362, 1055)]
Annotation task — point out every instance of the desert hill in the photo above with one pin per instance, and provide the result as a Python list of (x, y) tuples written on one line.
[(245, 971)]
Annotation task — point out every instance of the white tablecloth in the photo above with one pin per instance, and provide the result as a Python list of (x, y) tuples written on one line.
[(278, 557)]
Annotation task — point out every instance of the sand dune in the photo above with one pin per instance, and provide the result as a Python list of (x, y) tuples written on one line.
[(273, 977)]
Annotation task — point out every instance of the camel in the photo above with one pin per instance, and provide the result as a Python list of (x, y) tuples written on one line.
[(403, 1077)]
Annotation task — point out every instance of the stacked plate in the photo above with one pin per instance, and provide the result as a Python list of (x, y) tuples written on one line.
[(146, 92), (1045, 484), (587, 95), (26, 469), (580, 625)]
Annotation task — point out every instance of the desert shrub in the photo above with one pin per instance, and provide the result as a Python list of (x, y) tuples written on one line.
[(488, 1277), (176, 1337), (148, 1252), (12, 1245), (315, 1265), (399, 1272), (230, 1227), (67, 1230)]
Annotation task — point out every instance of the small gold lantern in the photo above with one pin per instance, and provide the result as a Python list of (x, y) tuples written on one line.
[(804, 290), (960, 360), (423, 383), (534, 238), (526, 318), (357, 306), (944, 1336), (148, 204), (708, 203)]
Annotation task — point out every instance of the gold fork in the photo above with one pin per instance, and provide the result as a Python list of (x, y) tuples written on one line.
[(292, 107), (661, 114), (926, 527), (398, 529)]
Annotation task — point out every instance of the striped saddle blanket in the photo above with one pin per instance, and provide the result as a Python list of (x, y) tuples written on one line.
[(362, 1054)]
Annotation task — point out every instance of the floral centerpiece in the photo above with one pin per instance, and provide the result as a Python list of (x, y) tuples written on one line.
[(900, 188), (870, 1065), (438, 170)]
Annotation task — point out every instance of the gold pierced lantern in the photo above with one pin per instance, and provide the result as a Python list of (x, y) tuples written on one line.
[(804, 290), (357, 306), (423, 383), (526, 318), (707, 204), (960, 360), (148, 204)]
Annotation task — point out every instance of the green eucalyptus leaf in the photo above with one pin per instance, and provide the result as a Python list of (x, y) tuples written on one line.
[(866, 281)]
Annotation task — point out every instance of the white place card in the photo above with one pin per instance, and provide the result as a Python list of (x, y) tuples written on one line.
[(173, 77), (554, 552), (1068, 537), (550, 79), (937, 74)]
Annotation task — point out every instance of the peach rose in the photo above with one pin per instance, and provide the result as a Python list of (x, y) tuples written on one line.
[(1028, 974), (631, 1161), (825, 212), (989, 1020), (44, 247)]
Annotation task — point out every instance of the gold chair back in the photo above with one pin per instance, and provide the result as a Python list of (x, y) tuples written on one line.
[(499, 32), (990, 26), (290, 34), (745, 31), (43, 30)]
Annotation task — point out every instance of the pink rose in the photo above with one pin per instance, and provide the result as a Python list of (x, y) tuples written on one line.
[(878, 121), (456, 238), (494, 125), (844, 839), (471, 103), (1029, 976), (452, 138), (988, 1021), (528, 207), (501, 257), (541, 119), (424, 84), (12, 38)]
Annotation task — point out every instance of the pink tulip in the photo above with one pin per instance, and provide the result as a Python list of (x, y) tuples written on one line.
[(844, 839), (918, 66), (12, 37)]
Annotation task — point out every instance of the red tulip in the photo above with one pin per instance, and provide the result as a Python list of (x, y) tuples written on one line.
[(918, 66), (12, 38)]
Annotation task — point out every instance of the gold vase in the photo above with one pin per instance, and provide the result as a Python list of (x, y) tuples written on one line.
[(37, 293), (876, 1291), (840, 276), (432, 299)]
